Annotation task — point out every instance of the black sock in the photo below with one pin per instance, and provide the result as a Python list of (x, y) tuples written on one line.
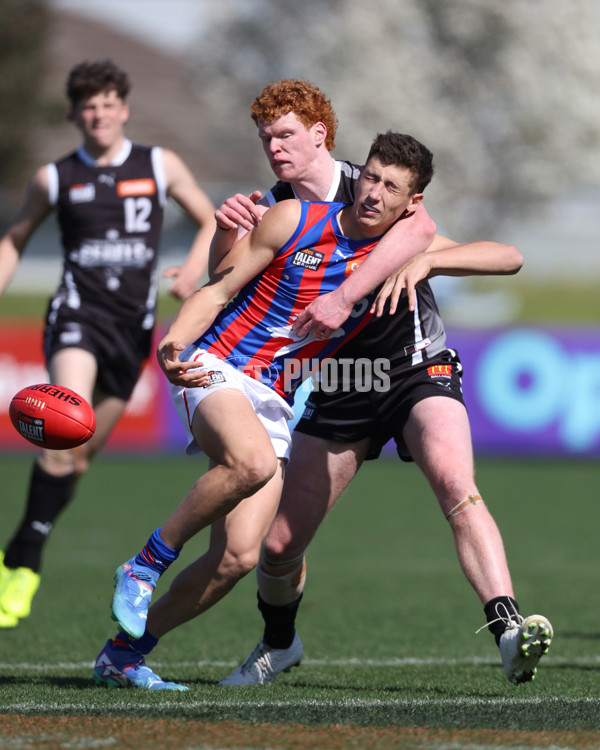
[(279, 622), (47, 496), (491, 613)]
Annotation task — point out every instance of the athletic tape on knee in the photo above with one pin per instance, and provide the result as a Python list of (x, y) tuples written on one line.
[(463, 505), (280, 590)]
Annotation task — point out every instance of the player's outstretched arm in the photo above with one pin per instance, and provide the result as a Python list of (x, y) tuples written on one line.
[(406, 238), (34, 210), (444, 257), (183, 188)]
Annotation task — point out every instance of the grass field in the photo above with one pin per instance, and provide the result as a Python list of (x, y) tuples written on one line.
[(388, 622)]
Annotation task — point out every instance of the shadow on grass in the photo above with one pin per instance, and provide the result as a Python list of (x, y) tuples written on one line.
[(82, 683)]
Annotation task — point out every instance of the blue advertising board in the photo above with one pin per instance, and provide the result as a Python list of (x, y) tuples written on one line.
[(532, 390)]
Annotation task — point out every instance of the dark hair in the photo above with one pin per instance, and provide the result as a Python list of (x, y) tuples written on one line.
[(307, 102), (404, 151), (90, 78)]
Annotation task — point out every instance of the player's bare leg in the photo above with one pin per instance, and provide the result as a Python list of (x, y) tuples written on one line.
[(318, 473), (234, 550), (438, 436), (439, 439), (243, 460)]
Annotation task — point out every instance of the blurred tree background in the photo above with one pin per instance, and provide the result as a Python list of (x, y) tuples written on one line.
[(506, 94), (23, 27)]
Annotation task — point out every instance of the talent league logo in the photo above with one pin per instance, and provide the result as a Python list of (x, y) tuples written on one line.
[(32, 428), (215, 377), (308, 258)]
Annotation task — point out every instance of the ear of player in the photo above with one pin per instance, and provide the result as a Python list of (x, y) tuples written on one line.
[(52, 416)]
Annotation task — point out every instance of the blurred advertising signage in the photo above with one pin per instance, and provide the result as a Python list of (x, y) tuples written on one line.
[(529, 392), (532, 391), (22, 363)]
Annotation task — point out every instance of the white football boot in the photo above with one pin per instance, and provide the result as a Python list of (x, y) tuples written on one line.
[(523, 644), (265, 663)]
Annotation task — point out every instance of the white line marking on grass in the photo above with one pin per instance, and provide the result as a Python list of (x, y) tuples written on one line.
[(355, 662)]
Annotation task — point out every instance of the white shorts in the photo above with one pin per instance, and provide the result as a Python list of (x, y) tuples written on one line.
[(268, 405)]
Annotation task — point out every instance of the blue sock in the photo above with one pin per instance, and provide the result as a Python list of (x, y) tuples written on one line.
[(143, 645), (156, 555)]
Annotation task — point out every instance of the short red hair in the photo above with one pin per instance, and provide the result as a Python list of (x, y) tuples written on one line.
[(307, 102)]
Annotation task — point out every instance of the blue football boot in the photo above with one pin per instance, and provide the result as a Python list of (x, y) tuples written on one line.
[(122, 667), (134, 586)]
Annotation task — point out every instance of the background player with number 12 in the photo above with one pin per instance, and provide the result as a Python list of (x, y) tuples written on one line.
[(109, 196)]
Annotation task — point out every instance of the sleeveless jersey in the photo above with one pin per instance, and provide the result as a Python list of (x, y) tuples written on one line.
[(110, 220), (342, 187), (253, 332), (409, 337)]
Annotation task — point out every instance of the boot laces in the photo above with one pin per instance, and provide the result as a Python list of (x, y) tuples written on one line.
[(510, 619)]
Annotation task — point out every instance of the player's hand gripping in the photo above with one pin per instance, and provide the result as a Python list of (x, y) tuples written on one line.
[(404, 280), (325, 314), (180, 373), (240, 210)]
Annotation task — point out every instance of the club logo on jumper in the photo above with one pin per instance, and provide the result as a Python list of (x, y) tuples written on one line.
[(82, 193), (32, 428), (145, 186), (216, 377), (308, 258), (107, 179), (440, 371)]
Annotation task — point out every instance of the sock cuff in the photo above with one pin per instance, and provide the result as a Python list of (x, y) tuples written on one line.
[(281, 590), (491, 608), (498, 611), (143, 645), (41, 475), (156, 554)]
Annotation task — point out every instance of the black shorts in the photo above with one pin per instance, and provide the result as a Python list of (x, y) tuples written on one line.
[(347, 417), (120, 349)]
